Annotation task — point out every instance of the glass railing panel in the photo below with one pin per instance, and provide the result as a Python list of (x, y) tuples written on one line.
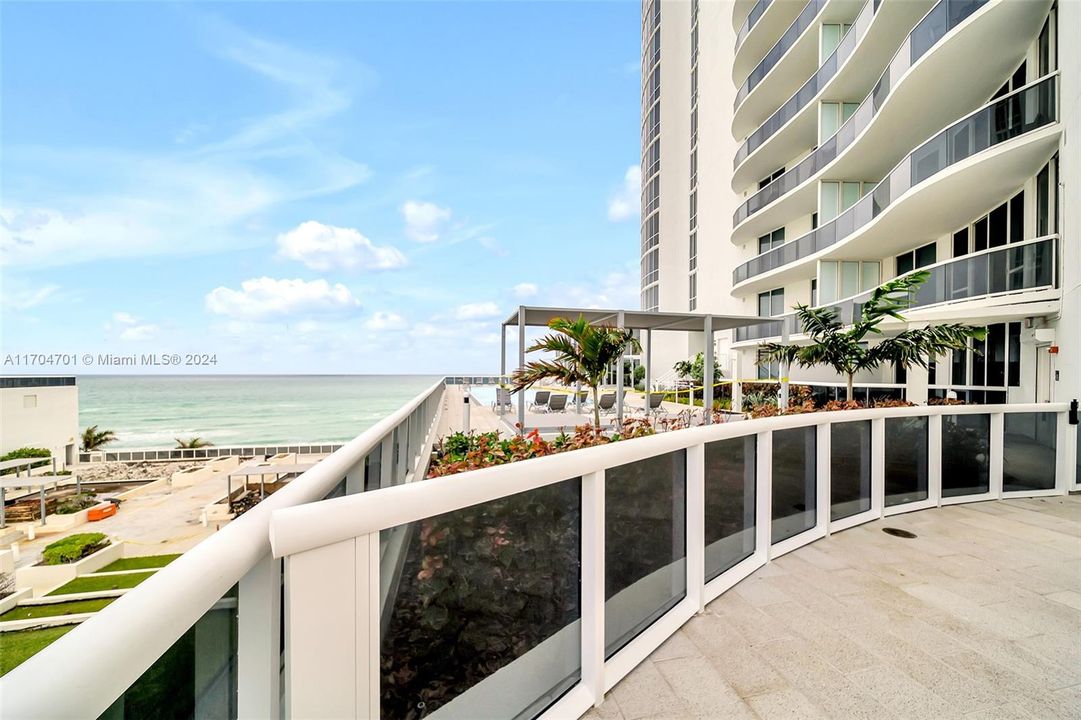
[(645, 544), (373, 468), (794, 487), (487, 594), (1029, 451), (906, 472), (195, 678), (1077, 455), (988, 126), (751, 21), (966, 455), (850, 468), (780, 48), (730, 503)]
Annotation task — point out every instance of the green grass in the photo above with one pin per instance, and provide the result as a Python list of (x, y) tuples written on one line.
[(27, 612), (94, 583), (19, 645), (139, 563)]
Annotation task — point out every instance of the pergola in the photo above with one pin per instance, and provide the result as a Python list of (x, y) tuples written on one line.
[(29, 481), (648, 321)]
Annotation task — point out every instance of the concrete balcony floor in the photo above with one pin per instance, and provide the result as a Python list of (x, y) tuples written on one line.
[(978, 617)]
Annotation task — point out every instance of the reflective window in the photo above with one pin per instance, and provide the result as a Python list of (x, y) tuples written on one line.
[(850, 468), (1028, 452), (645, 531), (906, 460), (966, 454), (793, 490), (481, 588)]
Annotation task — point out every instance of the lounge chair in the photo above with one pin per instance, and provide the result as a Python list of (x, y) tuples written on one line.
[(557, 403), (540, 401), (655, 407), (607, 403), (502, 399)]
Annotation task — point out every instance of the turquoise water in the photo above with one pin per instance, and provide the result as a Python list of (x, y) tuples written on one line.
[(149, 412)]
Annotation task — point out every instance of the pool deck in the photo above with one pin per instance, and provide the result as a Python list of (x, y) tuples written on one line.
[(979, 617)]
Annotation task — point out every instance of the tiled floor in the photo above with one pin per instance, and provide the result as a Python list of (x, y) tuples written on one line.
[(979, 617)]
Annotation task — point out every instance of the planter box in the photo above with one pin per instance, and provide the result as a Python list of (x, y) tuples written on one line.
[(33, 623), (14, 599), (101, 511), (42, 578)]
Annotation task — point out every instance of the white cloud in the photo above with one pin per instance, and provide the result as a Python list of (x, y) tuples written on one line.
[(93, 203), (23, 299), (615, 290), (128, 327), (268, 298), (386, 321), (324, 247), (424, 221), (476, 311), (525, 290), (626, 202)]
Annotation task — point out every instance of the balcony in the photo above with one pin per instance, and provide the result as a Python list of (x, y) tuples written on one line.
[(767, 20), (998, 277), (882, 127), (947, 180), (849, 72), (532, 589)]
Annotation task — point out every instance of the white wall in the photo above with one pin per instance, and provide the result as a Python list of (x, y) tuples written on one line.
[(45, 417)]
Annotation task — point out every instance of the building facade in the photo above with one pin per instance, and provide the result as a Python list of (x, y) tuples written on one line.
[(40, 412), (806, 152)]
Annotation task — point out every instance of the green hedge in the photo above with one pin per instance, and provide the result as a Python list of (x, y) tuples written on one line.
[(25, 452), (73, 548)]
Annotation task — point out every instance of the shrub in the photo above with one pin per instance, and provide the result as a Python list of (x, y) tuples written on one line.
[(75, 503), (73, 548), (7, 584), (25, 452)]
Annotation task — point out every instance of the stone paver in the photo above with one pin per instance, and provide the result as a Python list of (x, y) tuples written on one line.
[(977, 618)]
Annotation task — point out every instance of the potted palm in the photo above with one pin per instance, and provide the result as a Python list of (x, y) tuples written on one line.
[(583, 353), (847, 351)]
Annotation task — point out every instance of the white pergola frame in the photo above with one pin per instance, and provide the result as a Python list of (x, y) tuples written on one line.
[(708, 324)]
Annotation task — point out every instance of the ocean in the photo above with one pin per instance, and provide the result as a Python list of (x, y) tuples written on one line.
[(152, 411)]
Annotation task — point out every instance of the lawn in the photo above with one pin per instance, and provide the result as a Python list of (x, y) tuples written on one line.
[(26, 612), (139, 563), (94, 583), (20, 645)]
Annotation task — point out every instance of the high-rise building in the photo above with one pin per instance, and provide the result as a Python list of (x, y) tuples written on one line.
[(806, 152)]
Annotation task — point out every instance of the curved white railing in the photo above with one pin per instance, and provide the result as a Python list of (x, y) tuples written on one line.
[(104, 656), (839, 467)]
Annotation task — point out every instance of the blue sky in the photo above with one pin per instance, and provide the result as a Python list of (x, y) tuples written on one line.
[(312, 187)]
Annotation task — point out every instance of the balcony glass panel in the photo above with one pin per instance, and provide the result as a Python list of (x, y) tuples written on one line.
[(488, 587), (1028, 453), (944, 17), (794, 473), (906, 460), (751, 21), (987, 126), (780, 48), (195, 678), (966, 454), (645, 540), (730, 499), (850, 468)]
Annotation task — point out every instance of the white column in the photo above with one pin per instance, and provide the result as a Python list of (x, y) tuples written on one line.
[(649, 353), (696, 525), (934, 459), (878, 466), (737, 382), (764, 494), (707, 370), (823, 476), (619, 376), (998, 442), (916, 385), (502, 350), (521, 364), (593, 584), (782, 396), (259, 640)]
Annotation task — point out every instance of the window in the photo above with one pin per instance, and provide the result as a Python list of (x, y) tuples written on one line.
[(1006, 223), (693, 252), (1045, 57), (694, 210), (651, 159), (771, 303), (694, 167), (694, 84), (30, 401), (845, 278), (771, 240), (995, 361), (1047, 199), (830, 39), (694, 126), (836, 197), (770, 178), (814, 221), (768, 370), (831, 116), (650, 272), (1013, 368), (814, 292), (920, 257), (692, 302), (960, 242)]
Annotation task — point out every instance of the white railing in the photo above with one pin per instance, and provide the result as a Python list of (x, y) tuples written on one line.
[(237, 652), (782, 476)]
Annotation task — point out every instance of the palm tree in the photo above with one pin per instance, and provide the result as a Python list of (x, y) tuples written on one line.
[(846, 350), (695, 369), (191, 443), (94, 439), (583, 354)]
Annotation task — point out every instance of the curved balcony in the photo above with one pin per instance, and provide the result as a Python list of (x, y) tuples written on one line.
[(911, 79), (793, 51), (1021, 114), (997, 273), (850, 71), (767, 20)]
